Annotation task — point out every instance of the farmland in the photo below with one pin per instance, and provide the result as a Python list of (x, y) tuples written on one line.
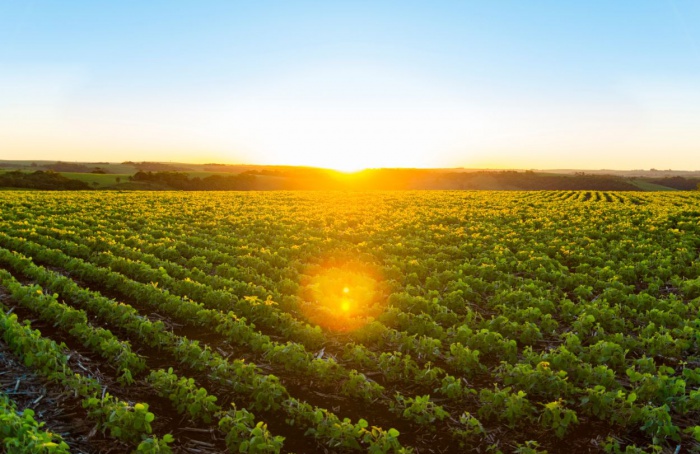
[(427, 322)]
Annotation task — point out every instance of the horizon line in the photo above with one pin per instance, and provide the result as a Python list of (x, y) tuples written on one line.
[(571, 169)]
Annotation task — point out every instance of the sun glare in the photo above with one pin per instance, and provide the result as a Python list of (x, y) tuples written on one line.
[(346, 116)]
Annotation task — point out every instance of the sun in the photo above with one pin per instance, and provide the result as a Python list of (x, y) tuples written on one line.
[(347, 168)]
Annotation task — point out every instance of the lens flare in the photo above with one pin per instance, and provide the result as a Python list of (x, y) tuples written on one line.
[(341, 296)]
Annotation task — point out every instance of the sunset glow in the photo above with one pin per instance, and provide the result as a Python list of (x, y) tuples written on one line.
[(349, 86)]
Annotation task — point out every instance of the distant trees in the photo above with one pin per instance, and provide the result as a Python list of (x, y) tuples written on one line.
[(40, 180), (61, 166), (181, 180)]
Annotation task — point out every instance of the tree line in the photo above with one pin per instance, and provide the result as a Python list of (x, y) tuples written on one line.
[(40, 180), (182, 181)]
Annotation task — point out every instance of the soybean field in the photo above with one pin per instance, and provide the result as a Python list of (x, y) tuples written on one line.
[(379, 322)]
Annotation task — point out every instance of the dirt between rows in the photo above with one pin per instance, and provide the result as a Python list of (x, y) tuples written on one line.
[(63, 412)]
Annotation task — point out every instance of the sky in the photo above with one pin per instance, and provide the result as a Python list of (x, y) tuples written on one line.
[(349, 85)]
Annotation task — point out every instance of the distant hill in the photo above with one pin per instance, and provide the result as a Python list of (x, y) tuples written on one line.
[(214, 176), (677, 182)]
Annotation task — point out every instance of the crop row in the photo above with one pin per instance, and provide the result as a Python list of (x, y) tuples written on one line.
[(394, 366), (263, 392), (21, 433), (180, 390), (470, 343), (130, 423)]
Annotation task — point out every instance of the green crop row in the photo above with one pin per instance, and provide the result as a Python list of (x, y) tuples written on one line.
[(264, 392), (131, 423), (20, 433)]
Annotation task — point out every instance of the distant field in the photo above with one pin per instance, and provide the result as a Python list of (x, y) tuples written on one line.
[(647, 186), (437, 321), (202, 174)]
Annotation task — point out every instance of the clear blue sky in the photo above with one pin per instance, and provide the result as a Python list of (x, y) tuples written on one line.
[(537, 84)]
